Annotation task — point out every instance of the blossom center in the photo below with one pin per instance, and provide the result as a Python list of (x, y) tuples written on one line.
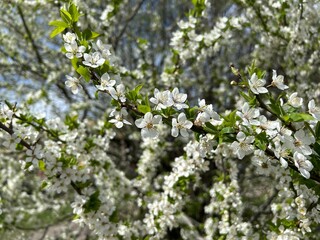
[(149, 125)]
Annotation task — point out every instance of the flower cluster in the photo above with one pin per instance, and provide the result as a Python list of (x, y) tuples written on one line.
[(249, 152)]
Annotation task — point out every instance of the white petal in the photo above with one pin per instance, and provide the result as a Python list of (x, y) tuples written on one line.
[(283, 162), (241, 136), (140, 123), (148, 117), (188, 124), (184, 133), (105, 77), (304, 173), (262, 90), (119, 124), (182, 118), (69, 55), (174, 132), (82, 49), (157, 119)]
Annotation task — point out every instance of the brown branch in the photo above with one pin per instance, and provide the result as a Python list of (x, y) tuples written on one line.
[(34, 46), (130, 18)]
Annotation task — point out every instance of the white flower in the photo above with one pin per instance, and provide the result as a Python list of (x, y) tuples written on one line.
[(73, 83), (119, 117), (261, 160), (299, 143), (181, 125), (304, 166), (243, 146), (11, 142), (257, 85), (249, 115), (106, 82), (179, 99), (148, 124), (270, 127), (69, 37), (313, 110), (207, 114), (5, 111), (118, 93), (295, 101), (162, 100), (34, 154), (281, 153), (277, 81), (73, 50), (104, 49), (95, 60)]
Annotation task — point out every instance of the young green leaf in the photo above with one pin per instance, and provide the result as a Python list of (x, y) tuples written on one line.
[(57, 31)]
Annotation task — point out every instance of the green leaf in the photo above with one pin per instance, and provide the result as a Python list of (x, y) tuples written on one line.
[(96, 94), (245, 96), (298, 117), (72, 121), (227, 130), (133, 95), (66, 17), (57, 31), (138, 88), (261, 141), (88, 34), (74, 62), (44, 184), (208, 127), (58, 23), (144, 108), (93, 204), (288, 223), (276, 107), (316, 147), (42, 165), (191, 112), (84, 72), (230, 120), (317, 130), (73, 10)]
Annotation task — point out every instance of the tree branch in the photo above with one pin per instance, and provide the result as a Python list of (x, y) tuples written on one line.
[(135, 11), (34, 46)]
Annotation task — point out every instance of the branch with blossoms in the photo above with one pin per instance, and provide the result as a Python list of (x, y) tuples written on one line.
[(270, 126), (246, 129)]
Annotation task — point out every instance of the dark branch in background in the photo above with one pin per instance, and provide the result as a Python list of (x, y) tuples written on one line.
[(34, 46), (128, 20), (44, 233), (264, 206)]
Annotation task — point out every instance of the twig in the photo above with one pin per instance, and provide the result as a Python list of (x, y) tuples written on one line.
[(34, 46), (135, 11)]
